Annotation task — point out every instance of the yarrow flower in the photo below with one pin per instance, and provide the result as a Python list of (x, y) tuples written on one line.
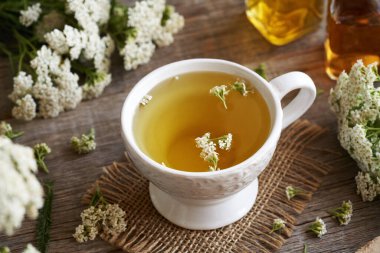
[(220, 92), (278, 225), (29, 249), (225, 141), (318, 227), (100, 217), (145, 100), (40, 152), (356, 103), (6, 130), (82, 48), (292, 191), (240, 87), (208, 147), (150, 23), (55, 89), (344, 213), (368, 186), (20, 191), (30, 15), (85, 144)]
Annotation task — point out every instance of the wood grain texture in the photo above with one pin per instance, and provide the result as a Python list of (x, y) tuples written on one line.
[(214, 29)]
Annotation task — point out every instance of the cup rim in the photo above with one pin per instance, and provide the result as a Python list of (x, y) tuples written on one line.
[(271, 140)]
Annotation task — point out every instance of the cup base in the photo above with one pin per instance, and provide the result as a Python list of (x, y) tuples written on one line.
[(204, 214)]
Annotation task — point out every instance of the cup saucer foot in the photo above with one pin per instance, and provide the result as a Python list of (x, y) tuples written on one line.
[(204, 214)]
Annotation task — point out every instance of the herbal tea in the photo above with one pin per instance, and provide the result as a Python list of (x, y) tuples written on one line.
[(182, 109)]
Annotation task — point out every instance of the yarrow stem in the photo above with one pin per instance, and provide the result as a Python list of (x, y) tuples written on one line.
[(220, 92), (40, 152)]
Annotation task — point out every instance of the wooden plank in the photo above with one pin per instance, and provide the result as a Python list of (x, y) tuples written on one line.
[(215, 29)]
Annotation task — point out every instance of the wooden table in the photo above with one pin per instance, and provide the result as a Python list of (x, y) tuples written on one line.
[(214, 29)]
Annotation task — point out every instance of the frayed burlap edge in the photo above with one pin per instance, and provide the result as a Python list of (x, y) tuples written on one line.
[(147, 231)]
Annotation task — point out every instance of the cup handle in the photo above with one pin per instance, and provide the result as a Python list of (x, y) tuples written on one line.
[(302, 102)]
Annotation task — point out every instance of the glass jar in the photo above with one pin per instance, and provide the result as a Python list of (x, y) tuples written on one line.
[(353, 33), (283, 21)]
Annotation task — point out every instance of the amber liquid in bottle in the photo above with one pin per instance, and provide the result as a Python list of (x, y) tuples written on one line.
[(282, 21), (353, 33)]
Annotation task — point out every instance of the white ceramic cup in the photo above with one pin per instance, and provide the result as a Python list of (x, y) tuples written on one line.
[(209, 200)]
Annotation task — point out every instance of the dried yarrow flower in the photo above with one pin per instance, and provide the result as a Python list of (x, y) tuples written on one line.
[(100, 217)]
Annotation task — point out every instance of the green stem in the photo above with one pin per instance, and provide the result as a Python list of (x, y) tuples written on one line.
[(44, 219)]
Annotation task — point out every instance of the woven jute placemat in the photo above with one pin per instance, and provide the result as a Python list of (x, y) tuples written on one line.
[(148, 231)]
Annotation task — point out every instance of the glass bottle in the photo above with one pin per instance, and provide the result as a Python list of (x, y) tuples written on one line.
[(282, 21), (353, 33)]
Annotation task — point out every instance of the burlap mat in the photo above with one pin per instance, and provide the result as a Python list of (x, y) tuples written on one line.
[(148, 231)]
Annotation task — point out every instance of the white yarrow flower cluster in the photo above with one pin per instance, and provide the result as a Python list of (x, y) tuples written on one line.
[(20, 191), (30, 15), (90, 13), (318, 227), (208, 147), (56, 88), (356, 103), (146, 18), (83, 48), (30, 249)]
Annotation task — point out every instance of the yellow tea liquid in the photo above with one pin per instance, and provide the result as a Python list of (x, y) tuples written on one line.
[(353, 33), (182, 109), (282, 21)]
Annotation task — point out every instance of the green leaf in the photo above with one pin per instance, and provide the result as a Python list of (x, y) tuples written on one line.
[(44, 219), (261, 70), (97, 198), (320, 91)]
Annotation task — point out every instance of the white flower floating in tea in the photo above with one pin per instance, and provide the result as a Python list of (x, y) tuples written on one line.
[(223, 90), (208, 147), (220, 92), (145, 100), (240, 87)]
